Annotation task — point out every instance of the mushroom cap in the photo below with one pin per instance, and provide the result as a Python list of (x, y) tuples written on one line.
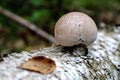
[(75, 28)]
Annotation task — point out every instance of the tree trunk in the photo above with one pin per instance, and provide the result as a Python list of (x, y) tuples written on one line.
[(101, 63)]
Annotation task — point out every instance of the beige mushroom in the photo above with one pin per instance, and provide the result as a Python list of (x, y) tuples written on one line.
[(75, 28)]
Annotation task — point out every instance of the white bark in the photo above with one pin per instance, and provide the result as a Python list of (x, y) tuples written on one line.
[(101, 63)]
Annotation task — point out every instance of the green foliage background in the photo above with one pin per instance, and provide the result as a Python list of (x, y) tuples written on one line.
[(44, 14)]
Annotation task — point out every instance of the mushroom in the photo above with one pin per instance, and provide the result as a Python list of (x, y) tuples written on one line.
[(75, 28)]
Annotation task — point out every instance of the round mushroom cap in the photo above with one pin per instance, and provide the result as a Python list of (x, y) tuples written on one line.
[(75, 28)]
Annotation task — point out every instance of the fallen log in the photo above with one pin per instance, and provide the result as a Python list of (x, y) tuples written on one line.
[(101, 63)]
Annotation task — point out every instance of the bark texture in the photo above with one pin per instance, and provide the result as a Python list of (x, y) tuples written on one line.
[(101, 63)]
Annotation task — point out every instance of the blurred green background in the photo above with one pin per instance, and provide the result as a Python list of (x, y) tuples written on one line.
[(44, 14)]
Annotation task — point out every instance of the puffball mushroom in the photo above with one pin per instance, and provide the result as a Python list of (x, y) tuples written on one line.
[(75, 28)]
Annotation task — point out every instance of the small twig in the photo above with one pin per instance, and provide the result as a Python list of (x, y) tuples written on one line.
[(27, 24)]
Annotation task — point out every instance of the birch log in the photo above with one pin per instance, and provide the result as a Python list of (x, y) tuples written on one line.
[(101, 63)]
